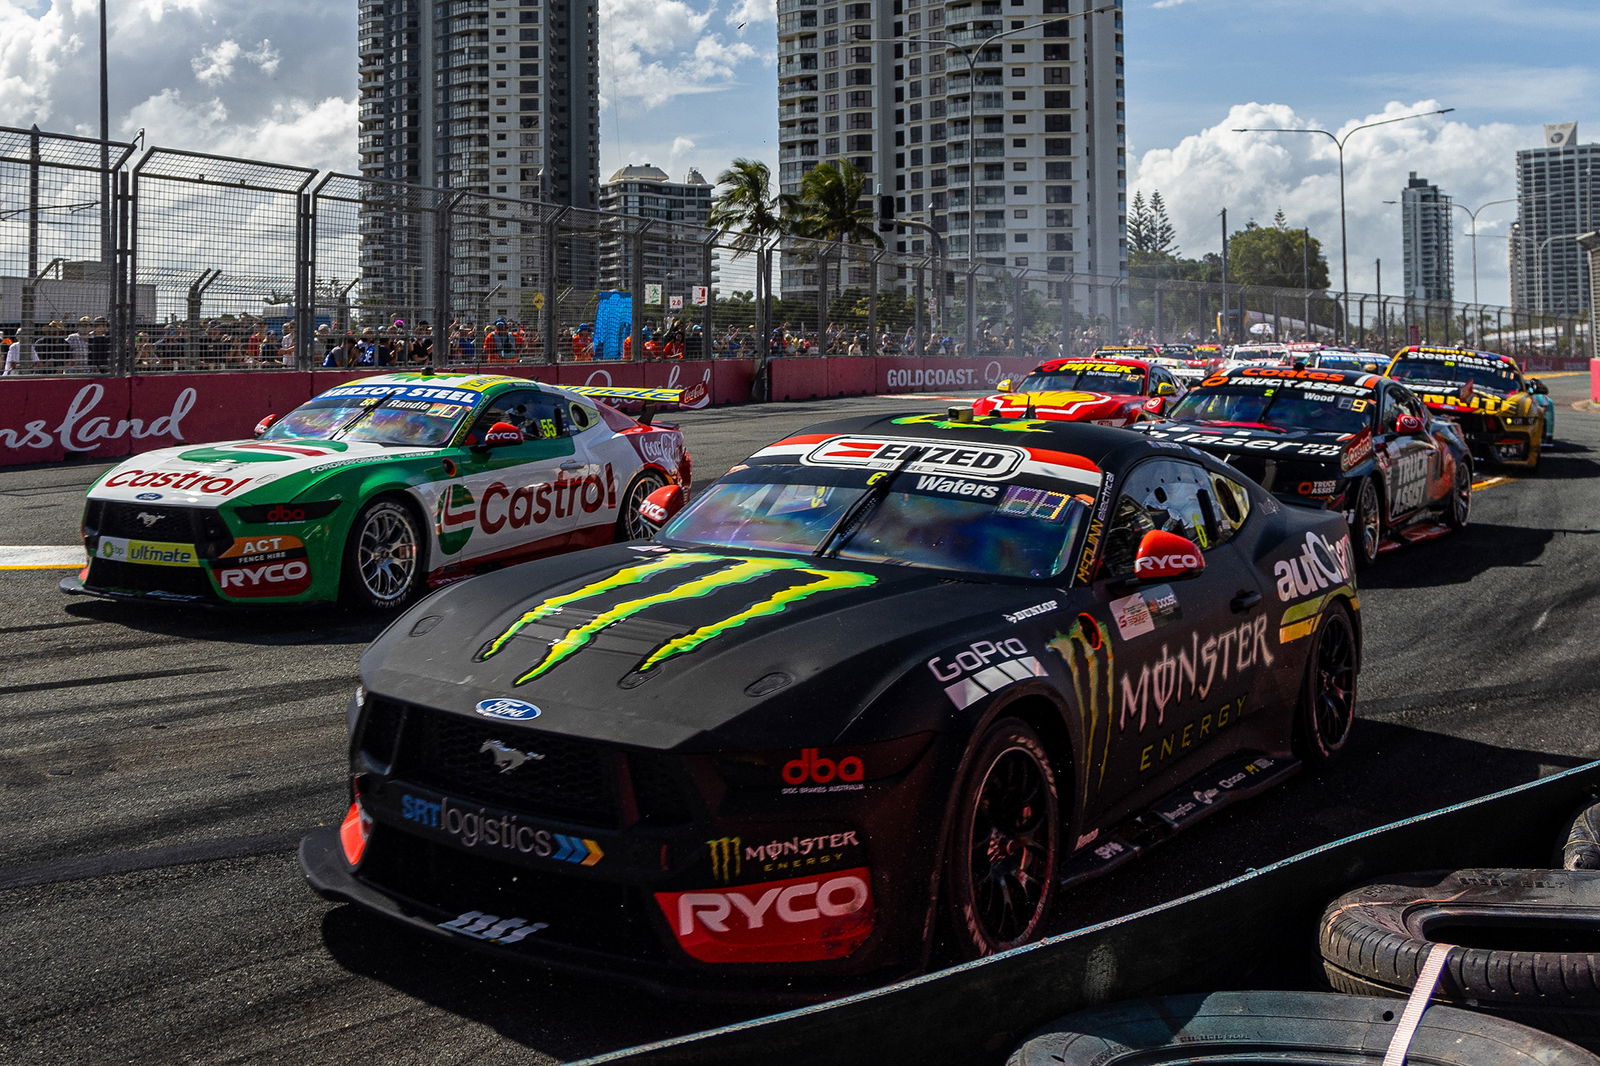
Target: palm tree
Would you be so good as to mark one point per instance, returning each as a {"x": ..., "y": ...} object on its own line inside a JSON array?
[
  {"x": 833, "y": 205},
  {"x": 747, "y": 207}
]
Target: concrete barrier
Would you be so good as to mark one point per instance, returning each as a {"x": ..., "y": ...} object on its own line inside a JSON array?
[{"x": 1256, "y": 931}]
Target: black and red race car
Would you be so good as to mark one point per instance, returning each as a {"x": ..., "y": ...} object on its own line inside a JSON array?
[
  {"x": 1108, "y": 390},
  {"x": 891, "y": 681},
  {"x": 1343, "y": 440}
]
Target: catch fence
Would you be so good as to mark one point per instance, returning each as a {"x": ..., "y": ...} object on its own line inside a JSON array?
[{"x": 207, "y": 262}]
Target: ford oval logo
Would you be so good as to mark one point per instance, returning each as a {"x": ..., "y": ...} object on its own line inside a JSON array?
[
  {"x": 148, "y": 496},
  {"x": 507, "y": 710}
]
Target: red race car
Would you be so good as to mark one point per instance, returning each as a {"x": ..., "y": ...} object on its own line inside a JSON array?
[{"x": 1100, "y": 389}]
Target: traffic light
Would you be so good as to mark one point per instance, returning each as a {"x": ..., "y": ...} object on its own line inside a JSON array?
[{"x": 885, "y": 213}]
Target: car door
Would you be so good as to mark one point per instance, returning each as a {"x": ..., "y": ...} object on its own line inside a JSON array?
[
  {"x": 1410, "y": 462},
  {"x": 1187, "y": 652},
  {"x": 521, "y": 499}
]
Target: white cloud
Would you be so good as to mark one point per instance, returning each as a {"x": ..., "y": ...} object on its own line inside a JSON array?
[
  {"x": 215, "y": 65},
  {"x": 643, "y": 58},
  {"x": 752, "y": 12},
  {"x": 1255, "y": 174}
]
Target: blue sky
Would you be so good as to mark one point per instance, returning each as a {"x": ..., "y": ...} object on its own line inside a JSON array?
[{"x": 690, "y": 83}]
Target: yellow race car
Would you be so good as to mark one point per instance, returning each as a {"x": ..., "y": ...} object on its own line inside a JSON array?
[{"x": 1497, "y": 408}]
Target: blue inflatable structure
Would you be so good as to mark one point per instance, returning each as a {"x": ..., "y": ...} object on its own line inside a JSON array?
[{"x": 613, "y": 323}]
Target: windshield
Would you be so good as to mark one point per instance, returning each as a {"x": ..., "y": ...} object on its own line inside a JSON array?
[
  {"x": 1280, "y": 405},
  {"x": 1483, "y": 373},
  {"x": 1086, "y": 377},
  {"x": 938, "y": 522},
  {"x": 392, "y": 418}
]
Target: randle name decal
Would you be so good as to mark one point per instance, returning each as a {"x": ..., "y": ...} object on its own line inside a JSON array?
[{"x": 81, "y": 430}]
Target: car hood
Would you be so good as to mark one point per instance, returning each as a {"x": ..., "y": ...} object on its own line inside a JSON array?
[
  {"x": 1444, "y": 395},
  {"x": 683, "y": 649},
  {"x": 1068, "y": 406},
  {"x": 208, "y": 475},
  {"x": 1235, "y": 442}
]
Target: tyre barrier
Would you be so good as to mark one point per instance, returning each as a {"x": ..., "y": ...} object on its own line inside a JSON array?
[
  {"x": 1582, "y": 848},
  {"x": 1527, "y": 943},
  {"x": 1305, "y": 1028}
]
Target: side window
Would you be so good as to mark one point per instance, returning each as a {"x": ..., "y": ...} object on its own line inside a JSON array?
[
  {"x": 540, "y": 415},
  {"x": 1232, "y": 506},
  {"x": 1410, "y": 404},
  {"x": 1391, "y": 409},
  {"x": 1168, "y": 494}
]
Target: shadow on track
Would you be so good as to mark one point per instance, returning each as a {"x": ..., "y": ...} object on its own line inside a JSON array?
[
  {"x": 559, "y": 1014},
  {"x": 319, "y": 625}
]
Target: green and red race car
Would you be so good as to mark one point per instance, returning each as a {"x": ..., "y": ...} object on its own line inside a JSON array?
[{"x": 377, "y": 489}]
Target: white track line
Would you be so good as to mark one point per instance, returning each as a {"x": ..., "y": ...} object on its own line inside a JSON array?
[{"x": 41, "y": 557}]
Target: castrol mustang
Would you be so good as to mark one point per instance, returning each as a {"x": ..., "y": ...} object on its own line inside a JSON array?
[
  {"x": 890, "y": 683},
  {"x": 1105, "y": 390},
  {"x": 1498, "y": 410},
  {"x": 1344, "y": 440},
  {"x": 377, "y": 489}
]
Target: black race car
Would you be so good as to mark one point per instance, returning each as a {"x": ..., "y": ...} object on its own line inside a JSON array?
[
  {"x": 889, "y": 682},
  {"x": 1343, "y": 440}
]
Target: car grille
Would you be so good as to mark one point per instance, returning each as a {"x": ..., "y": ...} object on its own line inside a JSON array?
[
  {"x": 138, "y": 577},
  {"x": 200, "y": 526},
  {"x": 582, "y": 912},
  {"x": 576, "y": 781}
]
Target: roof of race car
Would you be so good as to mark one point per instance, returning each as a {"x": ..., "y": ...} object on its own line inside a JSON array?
[
  {"x": 1114, "y": 362},
  {"x": 1074, "y": 451},
  {"x": 1125, "y": 351},
  {"x": 1433, "y": 354},
  {"x": 1268, "y": 376}
]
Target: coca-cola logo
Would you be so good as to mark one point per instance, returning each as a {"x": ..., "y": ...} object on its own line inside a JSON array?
[{"x": 84, "y": 428}]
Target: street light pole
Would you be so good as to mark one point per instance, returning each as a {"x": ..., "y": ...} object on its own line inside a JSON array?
[
  {"x": 969, "y": 54},
  {"x": 1339, "y": 142}
]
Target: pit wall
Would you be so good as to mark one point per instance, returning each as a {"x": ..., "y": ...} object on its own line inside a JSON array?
[{"x": 48, "y": 419}]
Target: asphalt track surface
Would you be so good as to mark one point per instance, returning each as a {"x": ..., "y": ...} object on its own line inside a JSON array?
[{"x": 159, "y": 765}]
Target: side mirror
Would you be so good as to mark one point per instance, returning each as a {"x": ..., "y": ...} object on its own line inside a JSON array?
[
  {"x": 1156, "y": 404},
  {"x": 1164, "y": 556},
  {"x": 1166, "y": 388},
  {"x": 1407, "y": 424},
  {"x": 500, "y": 434},
  {"x": 661, "y": 505},
  {"x": 1537, "y": 387},
  {"x": 1004, "y": 386},
  {"x": 265, "y": 424}
]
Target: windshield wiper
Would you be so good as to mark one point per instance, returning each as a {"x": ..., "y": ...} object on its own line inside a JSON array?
[
  {"x": 363, "y": 413},
  {"x": 857, "y": 511}
]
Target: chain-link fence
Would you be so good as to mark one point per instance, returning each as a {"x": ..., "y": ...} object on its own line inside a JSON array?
[{"x": 204, "y": 262}]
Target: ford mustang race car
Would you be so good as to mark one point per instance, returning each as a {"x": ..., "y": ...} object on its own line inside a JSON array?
[
  {"x": 1105, "y": 390},
  {"x": 376, "y": 489},
  {"x": 890, "y": 681},
  {"x": 1343, "y": 440},
  {"x": 1485, "y": 392}
]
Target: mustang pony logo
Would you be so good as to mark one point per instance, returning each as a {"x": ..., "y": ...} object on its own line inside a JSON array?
[
  {"x": 507, "y": 759},
  {"x": 732, "y": 572}
]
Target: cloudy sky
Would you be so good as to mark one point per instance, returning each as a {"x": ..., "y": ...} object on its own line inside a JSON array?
[{"x": 690, "y": 83}]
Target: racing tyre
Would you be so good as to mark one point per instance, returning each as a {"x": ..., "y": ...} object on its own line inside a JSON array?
[
  {"x": 1000, "y": 867},
  {"x": 1582, "y": 848},
  {"x": 1460, "y": 506},
  {"x": 383, "y": 558},
  {"x": 629, "y": 525},
  {"x": 1366, "y": 528},
  {"x": 1309, "y": 1028},
  {"x": 1328, "y": 699},
  {"x": 1525, "y": 943}
]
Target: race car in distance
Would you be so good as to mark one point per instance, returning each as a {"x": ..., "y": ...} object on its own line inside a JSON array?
[
  {"x": 891, "y": 681},
  {"x": 1105, "y": 390},
  {"x": 1246, "y": 354},
  {"x": 1345, "y": 441},
  {"x": 1486, "y": 394},
  {"x": 376, "y": 489},
  {"x": 1186, "y": 364}
]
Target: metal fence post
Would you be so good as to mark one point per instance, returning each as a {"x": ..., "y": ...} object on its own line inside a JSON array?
[{"x": 551, "y": 227}]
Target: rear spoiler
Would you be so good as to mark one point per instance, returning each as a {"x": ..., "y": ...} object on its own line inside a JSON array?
[{"x": 694, "y": 397}]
